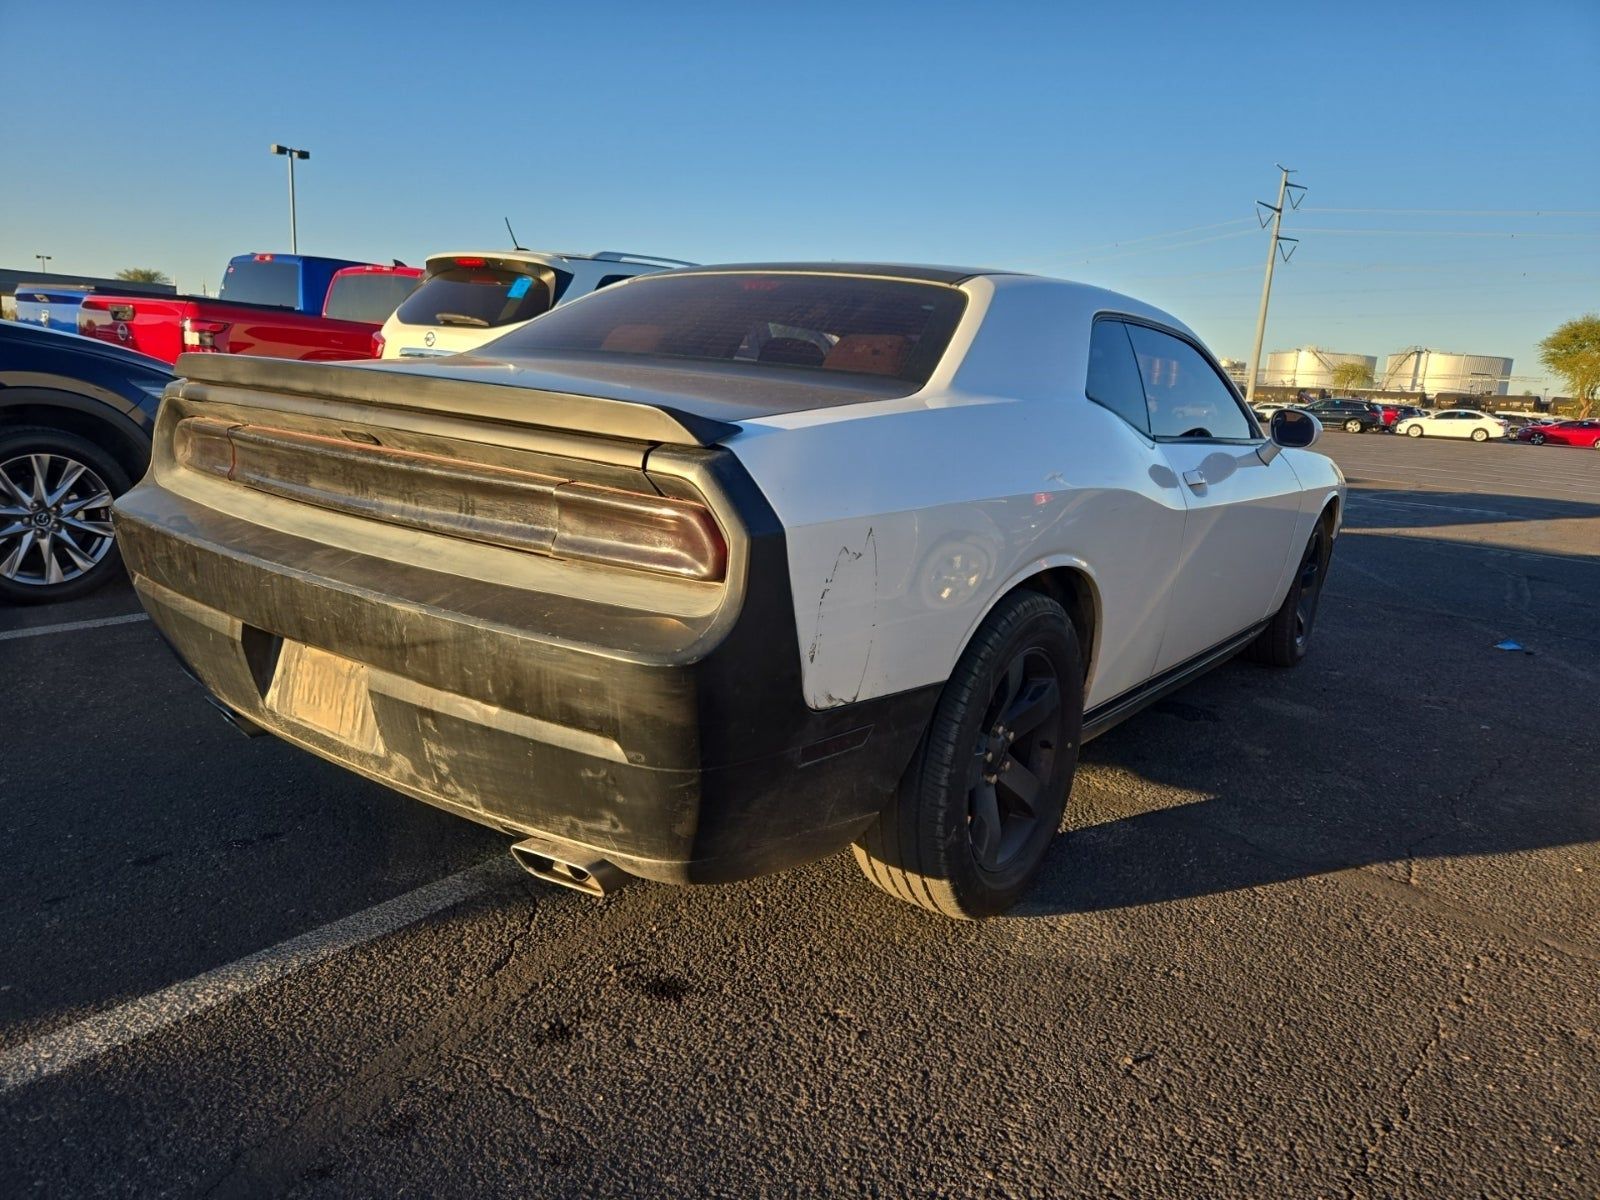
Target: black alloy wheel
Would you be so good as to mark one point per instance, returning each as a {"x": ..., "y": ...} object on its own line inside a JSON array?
[
  {"x": 1308, "y": 588},
  {"x": 967, "y": 830},
  {"x": 1285, "y": 640},
  {"x": 1011, "y": 759}
]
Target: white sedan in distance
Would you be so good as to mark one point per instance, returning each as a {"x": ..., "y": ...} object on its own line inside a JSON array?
[
  {"x": 718, "y": 571},
  {"x": 1455, "y": 423}
]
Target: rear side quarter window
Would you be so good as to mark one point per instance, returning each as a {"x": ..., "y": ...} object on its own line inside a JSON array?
[{"x": 1114, "y": 374}]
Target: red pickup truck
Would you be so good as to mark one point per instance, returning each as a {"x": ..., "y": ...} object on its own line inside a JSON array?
[{"x": 273, "y": 305}]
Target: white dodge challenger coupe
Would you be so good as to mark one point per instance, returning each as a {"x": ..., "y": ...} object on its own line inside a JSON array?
[{"x": 718, "y": 571}]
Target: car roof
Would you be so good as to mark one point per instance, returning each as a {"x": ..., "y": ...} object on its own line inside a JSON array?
[
  {"x": 912, "y": 271},
  {"x": 549, "y": 258}
]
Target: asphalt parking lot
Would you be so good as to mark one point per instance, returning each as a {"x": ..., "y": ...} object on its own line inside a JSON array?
[{"x": 1333, "y": 931}]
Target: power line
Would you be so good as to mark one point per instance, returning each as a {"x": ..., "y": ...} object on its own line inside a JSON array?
[
  {"x": 1219, "y": 237},
  {"x": 1152, "y": 237},
  {"x": 1467, "y": 212},
  {"x": 1460, "y": 233}
]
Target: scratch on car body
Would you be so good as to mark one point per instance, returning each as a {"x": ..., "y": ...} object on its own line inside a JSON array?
[{"x": 843, "y": 559}]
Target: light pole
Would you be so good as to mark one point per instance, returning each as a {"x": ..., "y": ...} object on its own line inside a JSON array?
[
  {"x": 291, "y": 154},
  {"x": 44, "y": 258}
]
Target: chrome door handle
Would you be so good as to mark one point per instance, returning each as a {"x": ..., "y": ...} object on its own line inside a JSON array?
[{"x": 1195, "y": 479}]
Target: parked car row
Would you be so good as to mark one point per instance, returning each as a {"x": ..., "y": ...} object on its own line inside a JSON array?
[
  {"x": 1371, "y": 416},
  {"x": 328, "y": 309}
]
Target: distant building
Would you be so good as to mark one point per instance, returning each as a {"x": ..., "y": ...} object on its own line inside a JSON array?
[
  {"x": 1422, "y": 370},
  {"x": 1310, "y": 367},
  {"x": 1238, "y": 370}
]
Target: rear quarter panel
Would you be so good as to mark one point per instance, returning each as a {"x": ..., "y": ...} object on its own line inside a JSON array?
[{"x": 907, "y": 519}]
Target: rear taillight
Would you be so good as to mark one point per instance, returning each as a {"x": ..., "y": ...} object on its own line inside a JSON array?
[
  {"x": 378, "y": 344},
  {"x": 202, "y": 335},
  {"x": 631, "y": 529},
  {"x": 499, "y": 506}
]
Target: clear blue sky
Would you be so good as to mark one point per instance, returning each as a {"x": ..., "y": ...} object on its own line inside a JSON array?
[{"x": 1069, "y": 139}]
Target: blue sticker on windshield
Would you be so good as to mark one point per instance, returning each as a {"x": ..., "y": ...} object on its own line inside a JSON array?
[{"x": 519, "y": 289}]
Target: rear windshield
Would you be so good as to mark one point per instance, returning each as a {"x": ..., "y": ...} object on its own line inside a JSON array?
[
  {"x": 477, "y": 298},
  {"x": 256, "y": 282},
  {"x": 860, "y": 326},
  {"x": 369, "y": 296}
]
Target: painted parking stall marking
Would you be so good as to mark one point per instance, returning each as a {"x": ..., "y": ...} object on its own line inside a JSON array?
[
  {"x": 72, "y": 626},
  {"x": 52, "y": 1053}
]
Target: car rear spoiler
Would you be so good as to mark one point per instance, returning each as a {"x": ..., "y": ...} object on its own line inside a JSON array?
[{"x": 507, "y": 403}]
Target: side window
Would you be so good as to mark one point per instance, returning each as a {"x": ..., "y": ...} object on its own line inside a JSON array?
[
  {"x": 1185, "y": 395},
  {"x": 1113, "y": 374},
  {"x": 609, "y": 280}
]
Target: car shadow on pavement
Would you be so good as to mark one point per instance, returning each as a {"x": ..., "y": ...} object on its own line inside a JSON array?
[
  {"x": 1414, "y": 510},
  {"x": 1408, "y": 734}
]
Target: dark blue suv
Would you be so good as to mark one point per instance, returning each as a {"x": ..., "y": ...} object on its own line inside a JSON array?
[{"x": 75, "y": 420}]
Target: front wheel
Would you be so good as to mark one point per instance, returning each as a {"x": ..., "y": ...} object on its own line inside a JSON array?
[
  {"x": 1536, "y": 438},
  {"x": 1284, "y": 641},
  {"x": 56, "y": 490},
  {"x": 970, "y": 823},
  {"x": 1414, "y": 431},
  {"x": 1480, "y": 435},
  {"x": 1352, "y": 426}
]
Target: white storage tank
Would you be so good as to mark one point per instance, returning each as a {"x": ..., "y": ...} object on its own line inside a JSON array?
[
  {"x": 1310, "y": 367},
  {"x": 1420, "y": 369}
]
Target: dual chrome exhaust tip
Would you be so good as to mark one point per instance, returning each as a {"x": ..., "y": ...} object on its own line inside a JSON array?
[{"x": 568, "y": 866}]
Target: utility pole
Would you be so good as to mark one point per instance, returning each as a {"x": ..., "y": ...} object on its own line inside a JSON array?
[
  {"x": 44, "y": 258},
  {"x": 291, "y": 154},
  {"x": 1294, "y": 193}
]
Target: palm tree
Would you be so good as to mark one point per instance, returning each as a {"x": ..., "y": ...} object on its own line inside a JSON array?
[{"x": 142, "y": 275}]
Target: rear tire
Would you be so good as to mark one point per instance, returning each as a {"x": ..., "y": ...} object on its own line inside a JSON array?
[
  {"x": 1352, "y": 426},
  {"x": 1283, "y": 643},
  {"x": 1480, "y": 435},
  {"x": 965, "y": 834}
]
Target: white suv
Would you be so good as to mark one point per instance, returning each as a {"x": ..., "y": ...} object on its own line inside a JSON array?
[{"x": 468, "y": 299}]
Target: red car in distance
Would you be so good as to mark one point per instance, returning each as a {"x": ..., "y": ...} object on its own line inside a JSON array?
[
  {"x": 1390, "y": 413},
  {"x": 1565, "y": 433}
]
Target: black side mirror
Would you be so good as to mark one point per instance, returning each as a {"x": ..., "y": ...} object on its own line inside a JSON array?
[{"x": 1294, "y": 428}]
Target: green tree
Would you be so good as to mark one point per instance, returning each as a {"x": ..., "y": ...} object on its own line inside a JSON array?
[
  {"x": 1348, "y": 376},
  {"x": 1573, "y": 352},
  {"x": 143, "y": 275}
]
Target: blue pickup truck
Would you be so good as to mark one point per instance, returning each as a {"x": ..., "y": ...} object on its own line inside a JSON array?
[{"x": 56, "y": 305}]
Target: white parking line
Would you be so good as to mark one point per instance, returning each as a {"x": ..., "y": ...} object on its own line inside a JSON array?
[
  {"x": 63, "y": 1049},
  {"x": 72, "y": 626}
]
